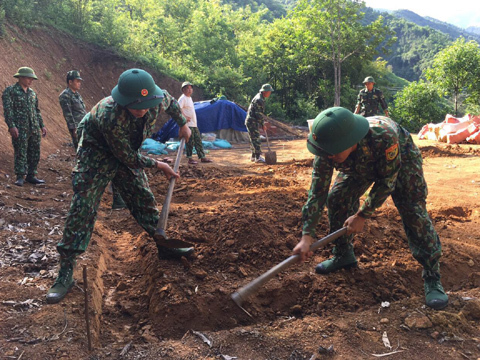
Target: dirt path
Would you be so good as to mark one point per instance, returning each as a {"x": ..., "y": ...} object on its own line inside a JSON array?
[{"x": 244, "y": 218}]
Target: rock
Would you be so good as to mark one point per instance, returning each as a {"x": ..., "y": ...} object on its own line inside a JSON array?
[
  {"x": 471, "y": 263},
  {"x": 229, "y": 242},
  {"x": 435, "y": 335},
  {"x": 418, "y": 321},
  {"x": 121, "y": 286},
  {"x": 384, "y": 321},
  {"x": 200, "y": 274},
  {"x": 296, "y": 309},
  {"x": 472, "y": 310}
]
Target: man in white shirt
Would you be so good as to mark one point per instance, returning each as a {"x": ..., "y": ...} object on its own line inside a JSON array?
[{"x": 188, "y": 110}]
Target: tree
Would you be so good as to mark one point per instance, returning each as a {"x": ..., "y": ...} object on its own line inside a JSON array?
[
  {"x": 456, "y": 70},
  {"x": 418, "y": 104}
]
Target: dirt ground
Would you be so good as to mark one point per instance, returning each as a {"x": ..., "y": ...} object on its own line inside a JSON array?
[{"x": 244, "y": 218}]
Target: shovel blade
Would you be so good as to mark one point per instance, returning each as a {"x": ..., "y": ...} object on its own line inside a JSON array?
[
  {"x": 161, "y": 239},
  {"x": 271, "y": 157}
]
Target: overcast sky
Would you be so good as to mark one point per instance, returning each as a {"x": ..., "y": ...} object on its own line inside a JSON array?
[{"x": 461, "y": 13}]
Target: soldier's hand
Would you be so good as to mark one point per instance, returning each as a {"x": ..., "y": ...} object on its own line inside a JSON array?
[
  {"x": 167, "y": 170},
  {"x": 44, "y": 131},
  {"x": 303, "y": 248},
  {"x": 354, "y": 224},
  {"x": 13, "y": 132},
  {"x": 185, "y": 132}
]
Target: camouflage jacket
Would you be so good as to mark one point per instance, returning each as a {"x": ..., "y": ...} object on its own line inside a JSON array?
[
  {"x": 256, "y": 109},
  {"x": 369, "y": 101},
  {"x": 377, "y": 159},
  {"x": 73, "y": 107},
  {"x": 111, "y": 135},
  {"x": 21, "y": 110}
]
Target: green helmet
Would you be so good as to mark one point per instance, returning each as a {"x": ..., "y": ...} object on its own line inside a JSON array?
[
  {"x": 72, "y": 75},
  {"x": 266, "y": 87},
  {"x": 136, "y": 89},
  {"x": 26, "y": 72},
  {"x": 369, "y": 79},
  {"x": 186, "y": 83},
  {"x": 335, "y": 130}
]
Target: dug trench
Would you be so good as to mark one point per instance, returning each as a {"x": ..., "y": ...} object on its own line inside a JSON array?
[{"x": 243, "y": 218}]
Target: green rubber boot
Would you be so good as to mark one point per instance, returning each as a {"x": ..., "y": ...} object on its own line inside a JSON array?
[
  {"x": 63, "y": 283},
  {"x": 118, "y": 202},
  {"x": 435, "y": 296},
  {"x": 165, "y": 253},
  {"x": 341, "y": 259}
]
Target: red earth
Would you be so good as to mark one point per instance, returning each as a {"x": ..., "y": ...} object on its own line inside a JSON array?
[{"x": 243, "y": 218}]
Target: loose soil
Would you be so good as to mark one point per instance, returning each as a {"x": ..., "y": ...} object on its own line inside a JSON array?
[{"x": 243, "y": 218}]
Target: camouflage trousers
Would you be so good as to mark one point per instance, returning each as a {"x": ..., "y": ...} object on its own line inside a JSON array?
[
  {"x": 73, "y": 134},
  {"x": 88, "y": 188},
  {"x": 26, "y": 149},
  {"x": 254, "y": 134},
  {"x": 410, "y": 199},
  {"x": 195, "y": 140}
]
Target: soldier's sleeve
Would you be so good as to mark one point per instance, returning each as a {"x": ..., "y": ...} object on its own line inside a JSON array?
[
  {"x": 66, "y": 105},
  {"x": 117, "y": 136},
  {"x": 359, "y": 98},
  {"x": 8, "y": 108},
  {"x": 387, "y": 169},
  {"x": 172, "y": 108},
  {"x": 39, "y": 114},
  {"x": 317, "y": 195},
  {"x": 381, "y": 98}
]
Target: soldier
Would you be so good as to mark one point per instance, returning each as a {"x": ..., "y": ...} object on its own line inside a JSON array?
[
  {"x": 74, "y": 110},
  {"x": 369, "y": 98},
  {"x": 255, "y": 119},
  {"x": 188, "y": 110},
  {"x": 112, "y": 133},
  {"x": 25, "y": 125},
  {"x": 72, "y": 104},
  {"x": 369, "y": 151}
]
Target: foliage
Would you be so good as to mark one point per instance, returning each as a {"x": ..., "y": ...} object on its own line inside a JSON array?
[
  {"x": 418, "y": 104},
  {"x": 456, "y": 71}
]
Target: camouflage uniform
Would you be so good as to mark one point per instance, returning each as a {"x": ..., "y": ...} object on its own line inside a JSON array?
[
  {"x": 369, "y": 101},
  {"x": 74, "y": 110},
  {"x": 109, "y": 151},
  {"x": 253, "y": 121},
  {"x": 195, "y": 140},
  {"x": 387, "y": 158},
  {"x": 21, "y": 111}
]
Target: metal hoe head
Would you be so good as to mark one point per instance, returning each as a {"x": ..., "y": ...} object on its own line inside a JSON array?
[{"x": 160, "y": 238}]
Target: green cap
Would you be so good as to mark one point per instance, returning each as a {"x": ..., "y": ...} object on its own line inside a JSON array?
[
  {"x": 136, "y": 89},
  {"x": 335, "y": 130},
  {"x": 186, "y": 83},
  {"x": 369, "y": 79},
  {"x": 73, "y": 74},
  {"x": 26, "y": 72},
  {"x": 266, "y": 87}
]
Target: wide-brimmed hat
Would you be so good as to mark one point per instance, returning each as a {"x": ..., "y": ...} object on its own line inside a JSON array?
[
  {"x": 266, "y": 87},
  {"x": 137, "y": 90},
  {"x": 335, "y": 130},
  {"x": 25, "y": 72}
]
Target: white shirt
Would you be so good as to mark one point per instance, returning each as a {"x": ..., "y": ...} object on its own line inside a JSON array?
[{"x": 188, "y": 110}]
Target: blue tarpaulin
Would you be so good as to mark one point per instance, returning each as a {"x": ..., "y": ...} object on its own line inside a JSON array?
[{"x": 222, "y": 114}]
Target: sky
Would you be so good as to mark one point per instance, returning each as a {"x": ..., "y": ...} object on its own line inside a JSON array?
[{"x": 462, "y": 13}]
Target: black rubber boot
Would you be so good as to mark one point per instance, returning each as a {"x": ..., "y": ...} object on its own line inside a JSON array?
[
  {"x": 118, "y": 202},
  {"x": 33, "y": 180},
  {"x": 63, "y": 283},
  {"x": 435, "y": 296},
  {"x": 165, "y": 253},
  {"x": 20, "y": 181},
  {"x": 344, "y": 259}
]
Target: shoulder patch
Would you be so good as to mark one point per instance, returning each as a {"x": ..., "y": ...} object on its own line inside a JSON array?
[{"x": 392, "y": 152}]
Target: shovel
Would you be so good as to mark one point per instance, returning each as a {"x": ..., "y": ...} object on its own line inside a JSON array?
[
  {"x": 270, "y": 156},
  {"x": 252, "y": 287},
  {"x": 160, "y": 237}
]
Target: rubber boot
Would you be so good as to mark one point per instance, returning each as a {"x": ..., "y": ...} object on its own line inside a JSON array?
[
  {"x": 20, "y": 181},
  {"x": 341, "y": 259},
  {"x": 63, "y": 283},
  {"x": 118, "y": 202},
  {"x": 165, "y": 253},
  {"x": 435, "y": 296},
  {"x": 33, "y": 180}
]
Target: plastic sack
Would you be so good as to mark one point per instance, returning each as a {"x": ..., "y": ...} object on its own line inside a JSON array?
[
  {"x": 209, "y": 137},
  {"x": 223, "y": 144}
]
